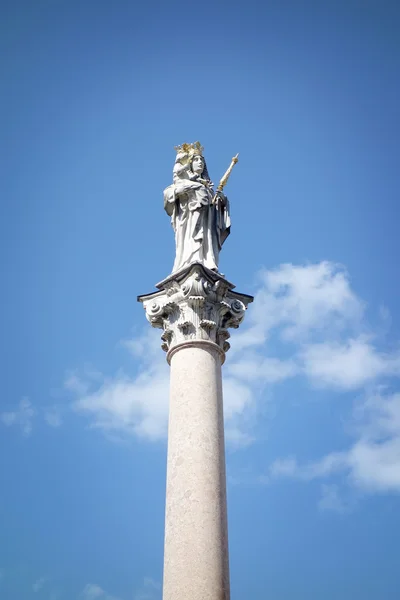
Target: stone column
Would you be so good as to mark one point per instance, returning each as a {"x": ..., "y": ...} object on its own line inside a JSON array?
[{"x": 195, "y": 308}]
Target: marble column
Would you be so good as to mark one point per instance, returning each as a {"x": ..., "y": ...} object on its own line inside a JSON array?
[{"x": 195, "y": 308}]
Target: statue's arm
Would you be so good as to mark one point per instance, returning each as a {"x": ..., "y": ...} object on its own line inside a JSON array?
[{"x": 169, "y": 199}]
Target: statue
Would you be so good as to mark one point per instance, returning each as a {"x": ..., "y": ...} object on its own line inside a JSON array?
[{"x": 199, "y": 216}]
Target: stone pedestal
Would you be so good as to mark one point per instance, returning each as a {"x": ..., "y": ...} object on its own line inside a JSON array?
[{"x": 195, "y": 308}]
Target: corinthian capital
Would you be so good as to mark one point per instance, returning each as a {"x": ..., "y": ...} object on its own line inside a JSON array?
[{"x": 195, "y": 304}]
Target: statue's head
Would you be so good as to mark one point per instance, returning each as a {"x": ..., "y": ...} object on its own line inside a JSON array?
[
  {"x": 192, "y": 155},
  {"x": 198, "y": 164}
]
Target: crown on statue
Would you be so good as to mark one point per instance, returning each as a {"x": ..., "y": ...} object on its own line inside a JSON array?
[{"x": 190, "y": 149}]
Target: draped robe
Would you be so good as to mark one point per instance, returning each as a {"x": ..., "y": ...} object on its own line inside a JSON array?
[{"x": 200, "y": 226}]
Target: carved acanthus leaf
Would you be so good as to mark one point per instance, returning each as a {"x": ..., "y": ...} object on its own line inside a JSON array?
[{"x": 195, "y": 304}]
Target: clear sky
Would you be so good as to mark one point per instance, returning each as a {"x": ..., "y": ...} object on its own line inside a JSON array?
[{"x": 94, "y": 96}]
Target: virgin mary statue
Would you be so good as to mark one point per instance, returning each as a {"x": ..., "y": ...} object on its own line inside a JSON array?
[{"x": 199, "y": 217}]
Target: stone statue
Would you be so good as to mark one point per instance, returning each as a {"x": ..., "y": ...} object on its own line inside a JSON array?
[{"x": 199, "y": 216}]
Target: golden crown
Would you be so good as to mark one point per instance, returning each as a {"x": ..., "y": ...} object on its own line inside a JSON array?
[{"x": 190, "y": 149}]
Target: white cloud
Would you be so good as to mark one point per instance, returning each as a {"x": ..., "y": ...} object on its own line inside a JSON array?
[
  {"x": 347, "y": 365},
  {"x": 288, "y": 467},
  {"x": 237, "y": 397},
  {"x": 372, "y": 462},
  {"x": 252, "y": 366},
  {"x": 75, "y": 384},
  {"x": 150, "y": 590},
  {"x": 239, "y": 403},
  {"x": 296, "y": 299},
  {"x": 92, "y": 591},
  {"x": 133, "y": 405},
  {"x": 52, "y": 416},
  {"x": 25, "y": 413},
  {"x": 138, "y": 405},
  {"x": 37, "y": 586},
  {"x": 317, "y": 322},
  {"x": 316, "y": 316},
  {"x": 345, "y": 357},
  {"x": 236, "y": 437},
  {"x": 312, "y": 298},
  {"x": 324, "y": 467},
  {"x": 300, "y": 300},
  {"x": 331, "y": 499},
  {"x": 21, "y": 417}
]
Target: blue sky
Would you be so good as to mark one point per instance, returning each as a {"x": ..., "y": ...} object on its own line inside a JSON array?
[{"x": 94, "y": 97}]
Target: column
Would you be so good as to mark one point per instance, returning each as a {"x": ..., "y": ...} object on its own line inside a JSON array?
[
  {"x": 195, "y": 308},
  {"x": 196, "y": 562}
]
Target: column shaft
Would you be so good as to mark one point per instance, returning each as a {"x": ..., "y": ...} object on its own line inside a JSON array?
[{"x": 196, "y": 563}]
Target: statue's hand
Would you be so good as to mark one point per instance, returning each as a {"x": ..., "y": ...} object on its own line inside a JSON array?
[{"x": 220, "y": 198}]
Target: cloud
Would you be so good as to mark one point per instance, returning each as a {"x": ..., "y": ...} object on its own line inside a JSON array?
[
  {"x": 129, "y": 405},
  {"x": 255, "y": 367},
  {"x": 25, "y": 413},
  {"x": 313, "y": 312},
  {"x": 294, "y": 298},
  {"x": 316, "y": 319},
  {"x": 348, "y": 365},
  {"x": 21, "y": 417},
  {"x": 301, "y": 300},
  {"x": 372, "y": 463},
  {"x": 288, "y": 467},
  {"x": 306, "y": 322},
  {"x": 37, "y": 586},
  {"x": 52, "y": 416},
  {"x": 374, "y": 459},
  {"x": 92, "y": 591},
  {"x": 138, "y": 405},
  {"x": 331, "y": 499},
  {"x": 150, "y": 590}
]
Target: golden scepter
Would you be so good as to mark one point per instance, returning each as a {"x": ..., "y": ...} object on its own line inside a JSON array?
[{"x": 225, "y": 177}]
